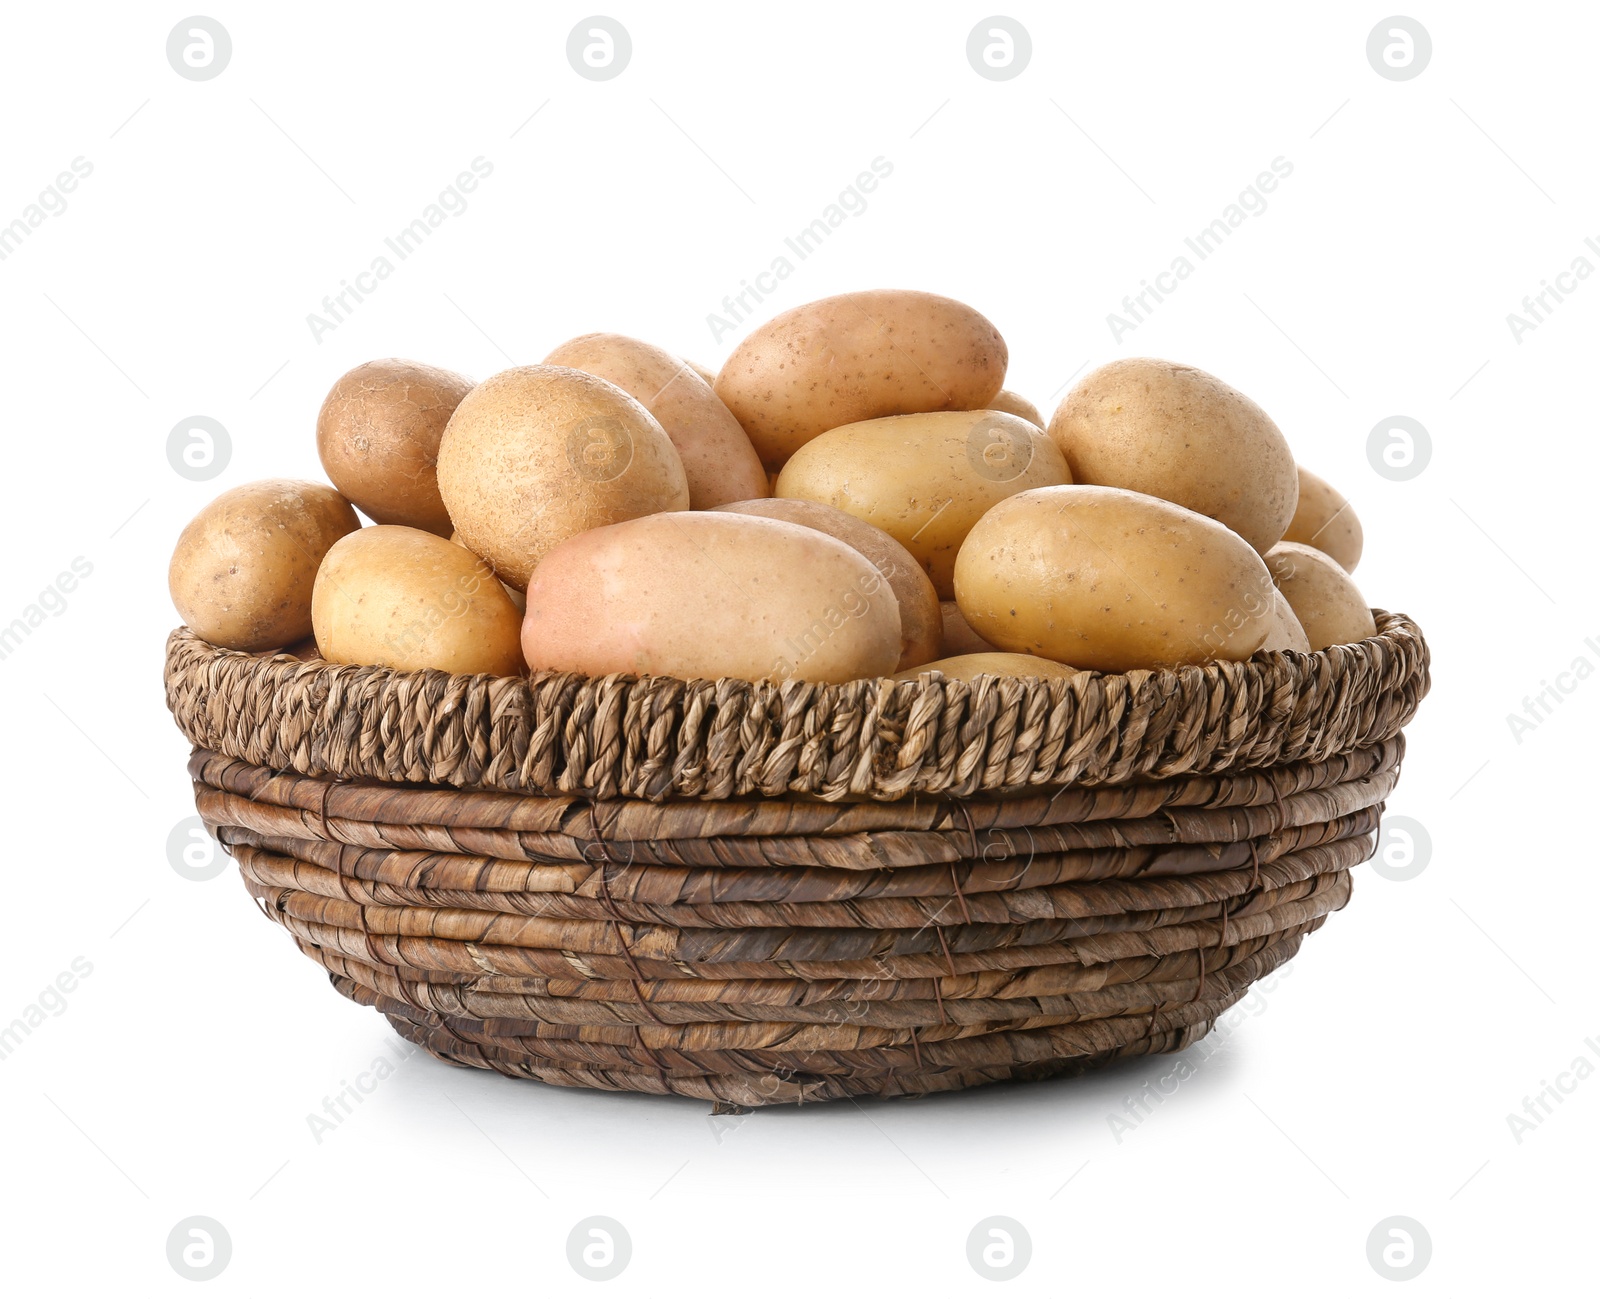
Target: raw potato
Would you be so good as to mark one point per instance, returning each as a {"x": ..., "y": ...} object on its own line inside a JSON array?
[
  {"x": 378, "y": 435},
  {"x": 1016, "y": 404},
  {"x": 1328, "y": 604},
  {"x": 855, "y": 357},
  {"x": 1111, "y": 580},
  {"x": 925, "y": 479},
  {"x": 403, "y": 598},
  {"x": 921, "y": 628},
  {"x": 710, "y": 595},
  {"x": 242, "y": 572},
  {"x": 705, "y": 372},
  {"x": 1181, "y": 434},
  {"x": 969, "y": 667},
  {"x": 718, "y": 459},
  {"x": 518, "y": 598},
  {"x": 540, "y": 453},
  {"x": 1286, "y": 633},
  {"x": 1324, "y": 519},
  {"x": 959, "y": 638}
]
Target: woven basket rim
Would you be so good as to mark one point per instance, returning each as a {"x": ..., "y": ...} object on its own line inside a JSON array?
[{"x": 661, "y": 738}]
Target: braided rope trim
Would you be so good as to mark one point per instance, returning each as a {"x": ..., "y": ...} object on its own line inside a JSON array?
[{"x": 659, "y": 738}]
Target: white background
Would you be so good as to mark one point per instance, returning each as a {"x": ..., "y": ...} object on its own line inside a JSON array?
[{"x": 1375, "y": 1077}]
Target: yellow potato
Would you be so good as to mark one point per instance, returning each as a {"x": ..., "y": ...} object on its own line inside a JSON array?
[
  {"x": 1327, "y": 603},
  {"x": 1181, "y": 434},
  {"x": 378, "y": 435},
  {"x": 718, "y": 460},
  {"x": 1111, "y": 580},
  {"x": 1286, "y": 633},
  {"x": 921, "y": 630},
  {"x": 969, "y": 667},
  {"x": 924, "y": 479},
  {"x": 403, "y": 598},
  {"x": 705, "y": 372},
  {"x": 1324, "y": 519},
  {"x": 711, "y": 595},
  {"x": 855, "y": 357},
  {"x": 518, "y": 598},
  {"x": 538, "y": 454},
  {"x": 959, "y": 638},
  {"x": 1013, "y": 403},
  {"x": 242, "y": 572}
]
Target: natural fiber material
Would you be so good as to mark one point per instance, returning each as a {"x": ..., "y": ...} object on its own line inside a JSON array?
[
  {"x": 657, "y": 737},
  {"x": 759, "y": 894}
]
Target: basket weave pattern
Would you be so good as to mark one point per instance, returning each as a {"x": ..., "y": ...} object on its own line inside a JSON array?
[{"x": 758, "y": 894}]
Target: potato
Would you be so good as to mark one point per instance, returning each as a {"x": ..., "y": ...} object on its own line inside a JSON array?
[
  {"x": 1327, "y": 603},
  {"x": 1183, "y": 435},
  {"x": 711, "y": 595},
  {"x": 921, "y": 629},
  {"x": 1324, "y": 519},
  {"x": 1013, "y": 403},
  {"x": 1286, "y": 633},
  {"x": 924, "y": 479},
  {"x": 518, "y": 598},
  {"x": 718, "y": 459},
  {"x": 1112, "y": 580},
  {"x": 404, "y": 598},
  {"x": 704, "y": 371},
  {"x": 959, "y": 638},
  {"x": 242, "y": 572},
  {"x": 378, "y": 435},
  {"x": 969, "y": 667},
  {"x": 537, "y": 454},
  {"x": 855, "y": 357}
]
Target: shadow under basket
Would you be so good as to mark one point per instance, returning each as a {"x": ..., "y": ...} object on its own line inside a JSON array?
[{"x": 757, "y": 893}]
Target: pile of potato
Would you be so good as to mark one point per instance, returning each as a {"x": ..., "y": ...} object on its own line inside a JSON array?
[{"x": 854, "y": 495}]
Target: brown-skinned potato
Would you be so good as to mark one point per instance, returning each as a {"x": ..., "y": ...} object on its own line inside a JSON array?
[
  {"x": 242, "y": 572},
  {"x": 718, "y": 460},
  {"x": 378, "y": 436},
  {"x": 856, "y": 357}
]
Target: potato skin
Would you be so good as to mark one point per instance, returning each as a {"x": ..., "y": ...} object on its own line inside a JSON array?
[
  {"x": 1184, "y": 435},
  {"x": 704, "y": 371},
  {"x": 921, "y": 628},
  {"x": 1329, "y": 606},
  {"x": 969, "y": 667},
  {"x": 1111, "y": 580},
  {"x": 378, "y": 436},
  {"x": 924, "y": 479},
  {"x": 959, "y": 638},
  {"x": 243, "y": 569},
  {"x": 1324, "y": 519},
  {"x": 707, "y": 595},
  {"x": 1286, "y": 633},
  {"x": 397, "y": 597},
  {"x": 537, "y": 454},
  {"x": 855, "y": 357},
  {"x": 718, "y": 460},
  {"x": 1014, "y": 403}
]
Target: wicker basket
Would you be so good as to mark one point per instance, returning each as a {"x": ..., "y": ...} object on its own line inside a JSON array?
[{"x": 756, "y": 893}]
